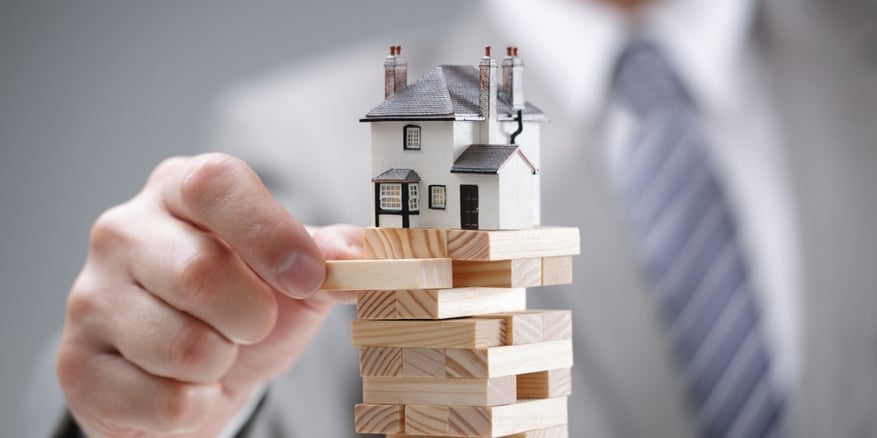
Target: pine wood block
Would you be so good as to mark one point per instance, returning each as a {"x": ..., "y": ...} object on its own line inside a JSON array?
[
  {"x": 426, "y": 420},
  {"x": 387, "y": 274},
  {"x": 405, "y": 243},
  {"x": 520, "y": 327},
  {"x": 495, "y": 421},
  {"x": 453, "y": 333},
  {"x": 439, "y": 391},
  {"x": 545, "y": 384},
  {"x": 551, "y": 432},
  {"x": 380, "y": 361},
  {"x": 372, "y": 418},
  {"x": 556, "y": 270},
  {"x": 423, "y": 362},
  {"x": 512, "y": 244},
  {"x": 498, "y": 273},
  {"x": 508, "y": 360},
  {"x": 376, "y": 304},
  {"x": 557, "y": 325},
  {"x": 438, "y": 303}
]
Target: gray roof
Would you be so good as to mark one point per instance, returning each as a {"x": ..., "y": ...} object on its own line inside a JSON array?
[
  {"x": 397, "y": 175},
  {"x": 488, "y": 158},
  {"x": 447, "y": 92}
]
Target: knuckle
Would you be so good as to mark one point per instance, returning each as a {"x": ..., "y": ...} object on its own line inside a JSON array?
[
  {"x": 110, "y": 230},
  {"x": 83, "y": 303},
  {"x": 209, "y": 177},
  {"x": 179, "y": 408},
  {"x": 198, "y": 274},
  {"x": 199, "y": 353}
]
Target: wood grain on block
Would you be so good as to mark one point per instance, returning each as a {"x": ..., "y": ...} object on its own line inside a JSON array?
[
  {"x": 404, "y": 243},
  {"x": 426, "y": 420},
  {"x": 387, "y": 274},
  {"x": 508, "y": 360},
  {"x": 556, "y": 270},
  {"x": 498, "y": 273},
  {"x": 423, "y": 362},
  {"x": 545, "y": 384},
  {"x": 372, "y": 418},
  {"x": 453, "y": 333},
  {"x": 512, "y": 244},
  {"x": 375, "y": 304},
  {"x": 520, "y": 327},
  {"x": 556, "y": 324},
  {"x": 439, "y": 391},
  {"x": 551, "y": 432},
  {"x": 496, "y": 421},
  {"x": 438, "y": 303},
  {"x": 380, "y": 361}
]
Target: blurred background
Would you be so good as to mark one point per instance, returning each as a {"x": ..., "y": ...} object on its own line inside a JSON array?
[{"x": 94, "y": 93}]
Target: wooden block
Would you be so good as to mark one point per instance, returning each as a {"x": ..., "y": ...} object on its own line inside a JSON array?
[
  {"x": 551, "y": 432},
  {"x": 556, "y": 270},
  {"x": 439, "y": 391},
  {"x": 426, "y": 420},
  {"x": 520, "y": 327},
  {"x": 423, "y": 362},
  {"x": 556, "y": 325},
  {"x": 499, "y": 273},
  {"x": 387, "y": 274},
  {"x": 508, "y": 360},
  {"x": 371, "y": 418},
  {"x": 455, "y": 303},
  {"x": 405, "y": 243},
  {"x": 545, "y": 384},
  {"x": 454, "y": 333},
  {"x": 376, "y": 304},
  {"x": 512, "y": 244},
  {"x": 496, "y": 421},
  {"x": 380, "y": 361}
]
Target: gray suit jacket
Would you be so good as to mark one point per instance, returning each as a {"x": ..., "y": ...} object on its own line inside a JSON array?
[{"x": 298, "y": 130}]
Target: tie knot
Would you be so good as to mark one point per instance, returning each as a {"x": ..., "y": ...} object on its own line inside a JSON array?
[{"x": 645, "y": 80}]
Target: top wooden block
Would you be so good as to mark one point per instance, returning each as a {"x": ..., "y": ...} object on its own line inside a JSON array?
[{"x": 475, "y": 245}]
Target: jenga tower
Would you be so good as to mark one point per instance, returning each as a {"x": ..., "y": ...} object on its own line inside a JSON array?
[{"x": 447, "y": 345}]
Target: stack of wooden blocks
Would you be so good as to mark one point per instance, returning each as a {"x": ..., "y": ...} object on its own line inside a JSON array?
[{"x": 447, "y": 345}]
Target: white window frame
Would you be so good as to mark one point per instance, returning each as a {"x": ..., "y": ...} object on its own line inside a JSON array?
[
  {"x": 411, "y": 136},
  {"x": 391, "y": 196},
  {"x": 413, "y": 197},
  {"x": 438, "y": 197}
]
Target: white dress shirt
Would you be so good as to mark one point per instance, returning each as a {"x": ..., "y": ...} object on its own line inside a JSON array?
[{"x": 573, "y": 47}]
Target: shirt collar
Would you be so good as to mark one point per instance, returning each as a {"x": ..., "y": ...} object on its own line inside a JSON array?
[{"x": 572, "y": 45}]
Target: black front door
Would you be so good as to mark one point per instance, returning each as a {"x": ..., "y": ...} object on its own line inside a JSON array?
[{"x": 468, "y": 207}]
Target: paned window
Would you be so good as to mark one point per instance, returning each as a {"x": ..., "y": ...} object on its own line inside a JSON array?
[
  {"x": 413, "y": 198},
  {"x": 391, "y": 196},
  {"x": 412, "y": 137},
  {"x": 437, "y": 197}
]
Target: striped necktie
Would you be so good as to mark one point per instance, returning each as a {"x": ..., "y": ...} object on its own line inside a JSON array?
[{"x": 688, "y": 245}]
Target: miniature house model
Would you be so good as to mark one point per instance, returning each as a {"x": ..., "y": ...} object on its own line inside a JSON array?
[{"x": 454, "y": 149}]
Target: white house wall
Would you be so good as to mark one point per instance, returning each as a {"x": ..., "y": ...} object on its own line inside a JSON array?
[
  {"x": 488, "y": 199},
  {"x": 518, "y": 198}
]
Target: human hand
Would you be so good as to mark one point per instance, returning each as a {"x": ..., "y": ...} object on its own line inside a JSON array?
[{"x": 195, "y": 292}]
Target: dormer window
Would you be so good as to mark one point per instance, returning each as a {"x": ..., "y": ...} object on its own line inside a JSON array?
[{"x": 411, "y": 137}]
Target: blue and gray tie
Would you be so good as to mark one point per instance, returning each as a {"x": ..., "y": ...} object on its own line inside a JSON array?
[{"x": 690, "y": 252}]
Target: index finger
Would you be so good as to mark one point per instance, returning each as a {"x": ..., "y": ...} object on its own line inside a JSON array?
[{"x": 223, "y": 195}]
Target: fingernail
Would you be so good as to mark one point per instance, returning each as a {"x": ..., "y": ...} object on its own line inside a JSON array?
[{"x": 301, "y": 275}]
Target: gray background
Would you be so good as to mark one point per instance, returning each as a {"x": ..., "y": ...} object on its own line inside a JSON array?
[{"x": 94, "y": 93}]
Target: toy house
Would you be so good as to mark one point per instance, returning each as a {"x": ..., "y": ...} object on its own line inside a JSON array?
[{"x": 454, "y": 149}]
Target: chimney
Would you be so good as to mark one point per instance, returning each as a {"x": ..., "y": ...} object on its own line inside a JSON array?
[
  {"x": 395, "y": 72},
  {"x": 487, "y": 96},
  {"x": 513, "y": 78}
]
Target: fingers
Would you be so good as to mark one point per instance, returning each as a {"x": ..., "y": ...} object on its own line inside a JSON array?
[
  {"x": 197, "y": 274},
  {"x": 148, "y": 403},
  {"x": 340, "y": 242},
  {"x": 222, "y": 194}
]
